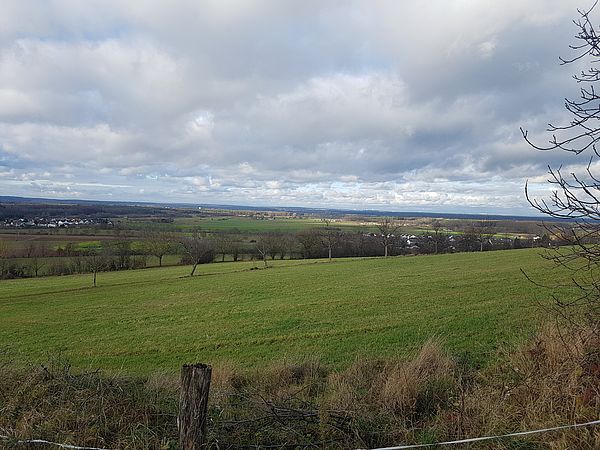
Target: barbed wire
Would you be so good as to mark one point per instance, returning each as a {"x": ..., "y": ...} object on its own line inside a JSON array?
[
  {"x": 488, "y": 438},
  {"x": 399, "y": 447},
  {"x": 45, "y": 442}
]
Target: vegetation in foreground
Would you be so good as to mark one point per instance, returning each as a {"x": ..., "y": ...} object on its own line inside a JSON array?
[
  {"x": 145, "y": 320},
  {"x": 371, "y": 403}
]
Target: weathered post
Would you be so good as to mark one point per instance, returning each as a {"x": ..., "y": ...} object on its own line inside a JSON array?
[{"x": 193, "y": 405}]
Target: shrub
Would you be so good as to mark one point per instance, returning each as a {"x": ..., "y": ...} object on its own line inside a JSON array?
[
  {"x": 60, "y": 267},
  {"x": 15, "y": 270}
]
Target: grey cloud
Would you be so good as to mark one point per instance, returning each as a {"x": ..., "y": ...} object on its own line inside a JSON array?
[{"x": 338, "y": 103}]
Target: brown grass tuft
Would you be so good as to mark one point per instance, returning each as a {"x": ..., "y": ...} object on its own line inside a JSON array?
[{"x": 418, "y": 388}]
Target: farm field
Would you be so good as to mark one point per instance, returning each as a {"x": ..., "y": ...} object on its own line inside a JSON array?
[
  {"x": 53, "y": 240},
  {"x": 143, "y": 321},
  {"x": 242, "y": 224}
]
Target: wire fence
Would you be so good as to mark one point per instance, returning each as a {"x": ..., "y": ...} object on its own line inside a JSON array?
[
  {"x": 45, "y": 442},
  {"x": 399, "y": 447},
  {"x": 489, "y": 438}
]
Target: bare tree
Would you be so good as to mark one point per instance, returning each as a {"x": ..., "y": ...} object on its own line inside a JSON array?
[
  {"x": 77, "y": 262},
  {"x": 30, "y": 249},
  {"x": 223, "y": 244},
  {"x": 576, "y": 195},
  {"x": 198, "y": 250},
  {"x": 96, "y": 261},
  {"x": 441, "y": 240},
  {"x": 330, "y": 238},
  {"x": 438, "y": 241},
  {"x": 288, "y": 245},
  {"x": 276, "y": 244},
  {"x": 158, "y": 244},
  {"x": 262, "y": 246},
  {"x": 388, "y": 228},
  {"x": 310, "y": 242},
  {"x": 3, "y": 257},
  {"x": 235, "y": 243},
  {"x": 37, "y": 253},
  {"x": 484, "y": 230},
  {"x": 468, "y": 241},
  {"x": 121, "y": 249},
  {"x": 236, "y": 249}
]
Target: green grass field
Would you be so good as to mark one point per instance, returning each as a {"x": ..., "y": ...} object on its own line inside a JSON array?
[
  {"x": 156, "y": 319},
  {"x": 242, "y": 224},
  {"x": 247, "y": 224}
]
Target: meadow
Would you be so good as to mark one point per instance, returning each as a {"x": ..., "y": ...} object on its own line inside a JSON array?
[
  {"x": 240, "y": 224},
  {"x": 153, "y": 320}
]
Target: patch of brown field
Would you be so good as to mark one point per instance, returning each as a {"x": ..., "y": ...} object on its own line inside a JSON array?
[{"x": 28, "y": 237}]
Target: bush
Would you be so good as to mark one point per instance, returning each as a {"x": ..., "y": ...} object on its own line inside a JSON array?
[
  {"x": 60, "y": 267},
  {"x": 139, "y": 262},
  {"x": 14, "y": 270}
]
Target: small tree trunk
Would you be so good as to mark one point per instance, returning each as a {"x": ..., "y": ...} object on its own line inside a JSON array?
[
  {"x": 223, "y": 257},
  {"x": 330, "y": 253},
  {"x": 193, "y": 405},
  {"x": 160, "y": 261},
  {"x": 95, "y": 272},
  {"x": 193, "y": 269},
  {"x": 385, "y": 251}
]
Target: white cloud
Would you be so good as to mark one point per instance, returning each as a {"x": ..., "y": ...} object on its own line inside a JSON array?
[{"x": 404, "y": 104}]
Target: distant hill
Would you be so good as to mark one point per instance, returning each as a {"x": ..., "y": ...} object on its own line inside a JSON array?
[{"x": 107, "y": 207}]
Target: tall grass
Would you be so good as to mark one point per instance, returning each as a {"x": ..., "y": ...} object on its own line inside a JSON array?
[{"x": 373, "y": 402}]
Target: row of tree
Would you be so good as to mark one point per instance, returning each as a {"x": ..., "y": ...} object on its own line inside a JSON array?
[{"x": 327, "y": 241}]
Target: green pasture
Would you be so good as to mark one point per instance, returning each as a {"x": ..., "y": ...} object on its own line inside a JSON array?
[
  {"x": 249, "y": 225},
  {"x": 238, "y": 314},
  {"x": 19, "y": 242},
  {"x": 241, "y": 224}
]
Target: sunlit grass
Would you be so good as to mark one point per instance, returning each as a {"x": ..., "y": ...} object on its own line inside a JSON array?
[{"x": 144, "y": 320}]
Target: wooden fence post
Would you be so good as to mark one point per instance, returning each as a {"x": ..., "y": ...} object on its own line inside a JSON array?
[{"x": 193, "y": 403}]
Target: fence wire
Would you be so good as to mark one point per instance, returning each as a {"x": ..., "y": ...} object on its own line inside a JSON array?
[
  {"x": 399, "y": 447},
  {"x": 489, "y": 438},
  {"x": 44, "y": 442}
]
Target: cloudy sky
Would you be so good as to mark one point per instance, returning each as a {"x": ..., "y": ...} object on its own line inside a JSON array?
[{"x": 398, "y": 105}]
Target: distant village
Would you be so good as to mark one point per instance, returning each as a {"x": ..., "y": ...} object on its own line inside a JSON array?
[{"x": 62, "y": 222}]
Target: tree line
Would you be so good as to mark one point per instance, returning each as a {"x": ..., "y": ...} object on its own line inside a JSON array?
[{"x": 124, "y": 252}]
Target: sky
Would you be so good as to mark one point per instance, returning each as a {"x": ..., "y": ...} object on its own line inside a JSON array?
[{"x": 398, "y": 105}]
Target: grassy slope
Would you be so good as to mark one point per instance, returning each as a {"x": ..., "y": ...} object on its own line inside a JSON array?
[{"x": 145, "y": 320}]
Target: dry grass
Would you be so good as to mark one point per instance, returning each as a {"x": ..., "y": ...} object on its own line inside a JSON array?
[
  {"x": 416, "y": 389},
  {"x": 555, "y": 380},
  {"x": 389, "y": 400},
  {"x": 50, "y": 402},
  {"x": 550, "y": 381}
]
